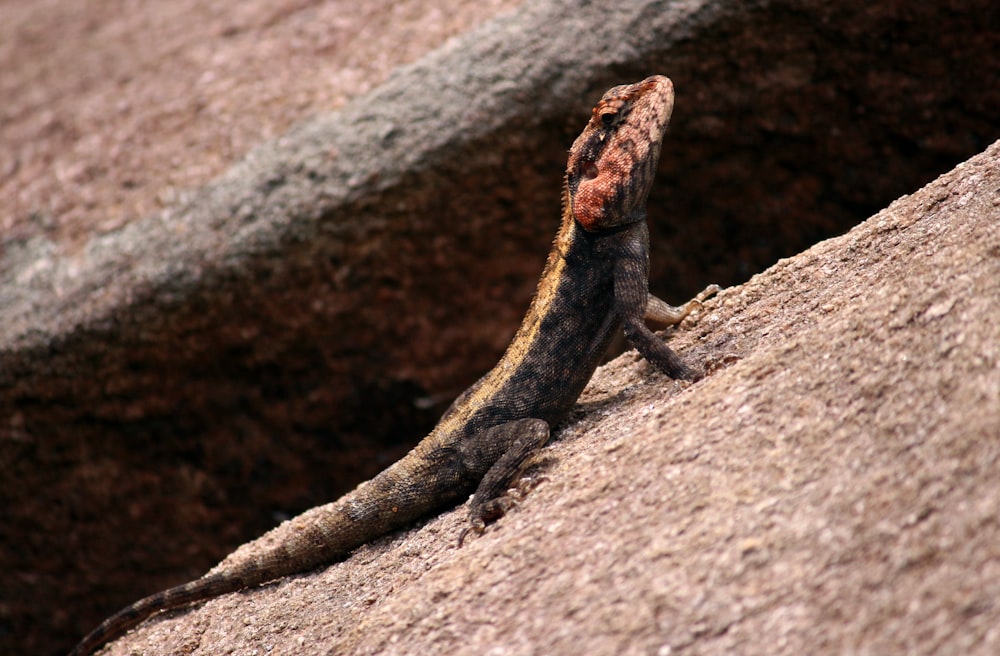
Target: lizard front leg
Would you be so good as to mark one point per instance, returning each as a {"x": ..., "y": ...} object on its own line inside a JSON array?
[
  {"x": 632, "y": 303},
  {"x": 504, "y": 449}
]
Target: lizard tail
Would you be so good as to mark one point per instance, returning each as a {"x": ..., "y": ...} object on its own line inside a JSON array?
[
  {"x": 307, "y": 547},
  {"x": 130, "y": 616},
  {"x": 403, "y": 492}
]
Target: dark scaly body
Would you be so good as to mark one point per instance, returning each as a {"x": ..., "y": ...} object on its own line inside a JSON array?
[{"x": 594, "y": 280}]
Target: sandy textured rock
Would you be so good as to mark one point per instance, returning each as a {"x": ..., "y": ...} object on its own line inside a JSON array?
[
  {"x": 831, "y": 487},
  {"x": 181, "y": 380}
]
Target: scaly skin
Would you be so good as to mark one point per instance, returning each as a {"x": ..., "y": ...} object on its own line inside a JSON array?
[{"x": 595, "y": 281}]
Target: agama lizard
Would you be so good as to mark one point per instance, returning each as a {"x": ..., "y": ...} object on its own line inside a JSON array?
[{"x": 595, "y": 281}]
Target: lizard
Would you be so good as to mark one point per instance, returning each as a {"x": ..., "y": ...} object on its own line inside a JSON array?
[{"x": 594, "y": 283}]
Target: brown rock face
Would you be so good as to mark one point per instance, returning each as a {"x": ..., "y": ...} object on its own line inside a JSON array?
[{"x": 181, "y": 369}]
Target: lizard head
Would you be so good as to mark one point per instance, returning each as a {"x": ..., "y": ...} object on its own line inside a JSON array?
[{"x": 612, "y": 163}]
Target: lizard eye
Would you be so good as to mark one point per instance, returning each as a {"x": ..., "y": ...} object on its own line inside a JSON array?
[{"x": 608, "y": 119}]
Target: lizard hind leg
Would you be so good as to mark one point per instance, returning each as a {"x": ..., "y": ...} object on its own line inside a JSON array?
[{"x": 508, "y": 447}]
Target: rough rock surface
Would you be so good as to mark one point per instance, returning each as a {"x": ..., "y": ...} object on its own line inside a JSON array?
[
  {"x": 833, "y": 486},
  {"x": 170, "y": 387}
]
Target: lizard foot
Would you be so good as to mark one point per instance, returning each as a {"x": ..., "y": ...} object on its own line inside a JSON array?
[
  {"x": 661, "y": 312},
  {"x": 488, "y": 512}
]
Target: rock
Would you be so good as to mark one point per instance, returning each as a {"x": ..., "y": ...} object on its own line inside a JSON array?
[
  {"x": 830, "y": 487},
  {"x": 177, "y": 386}
]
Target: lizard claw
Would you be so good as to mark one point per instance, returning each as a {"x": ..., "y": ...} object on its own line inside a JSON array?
[
  {"x": 708, "y": 293},
  {"x": 476, "y": 526}
]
